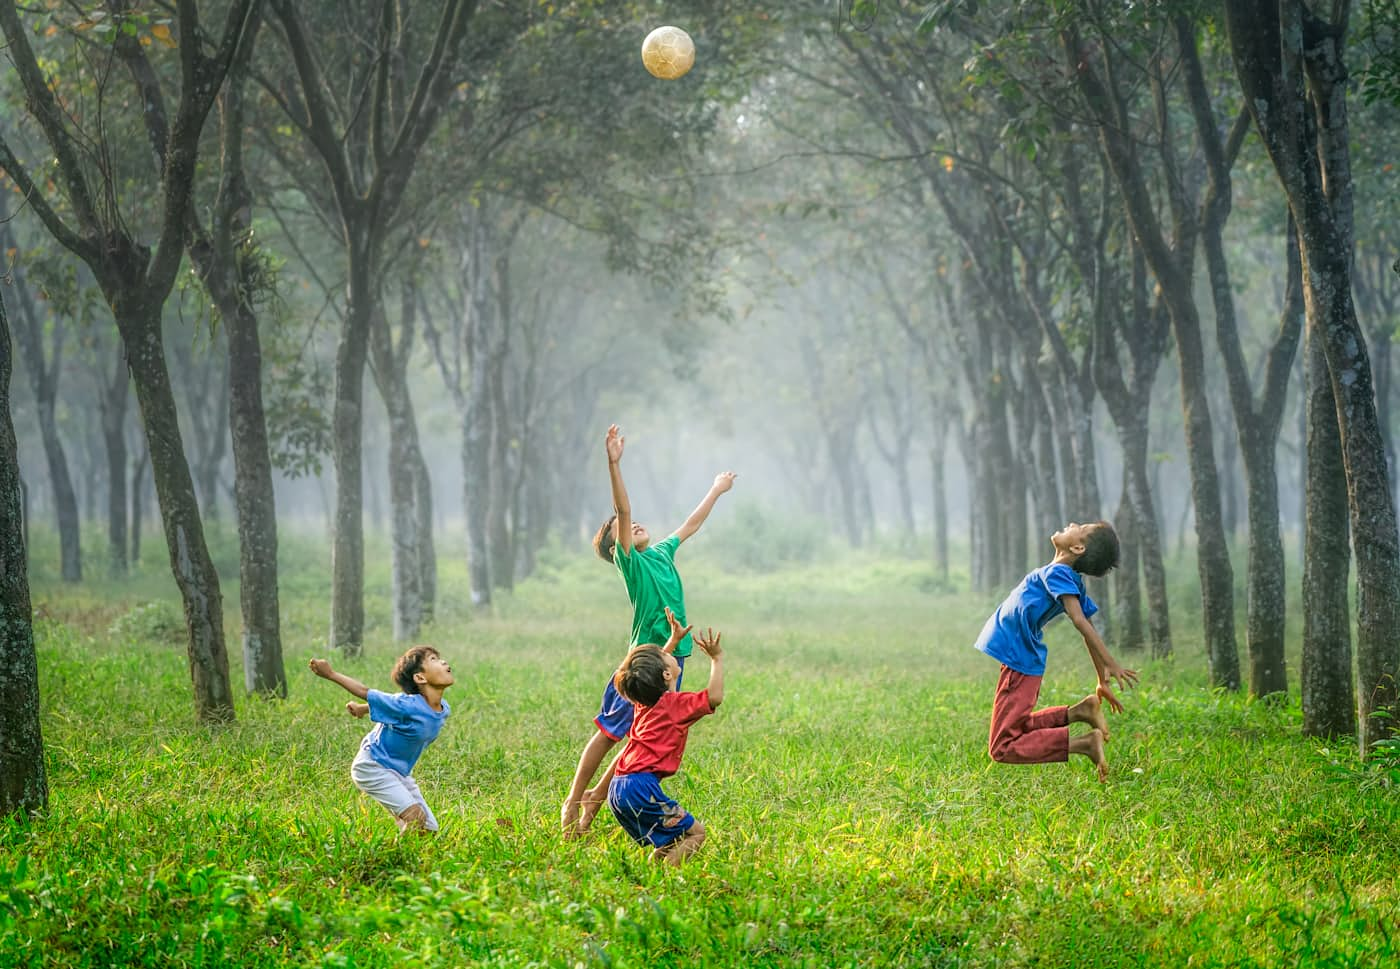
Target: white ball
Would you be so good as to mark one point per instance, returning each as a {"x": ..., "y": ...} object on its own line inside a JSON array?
[{"x": 668, "y": 52}]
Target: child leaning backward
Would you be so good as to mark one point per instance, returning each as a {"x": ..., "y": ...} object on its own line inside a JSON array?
[
  {"x": 653, "y": 585},
  {"x": 404, "y": 724},
  {"x": 1012, "y": 635},
  {"x": 650, "y": 677}
]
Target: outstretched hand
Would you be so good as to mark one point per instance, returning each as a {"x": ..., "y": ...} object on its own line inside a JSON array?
[
  {"x": 724, "y": 481},
  {"x": 614, "y": 443},
  {"x": 677, "y": 632},
  {"x": 1125, "y": 679},
  {"x": 321, "y": 667},
  {"x": 709, "y": 642},
  {"x": 1108, "y": 697}
]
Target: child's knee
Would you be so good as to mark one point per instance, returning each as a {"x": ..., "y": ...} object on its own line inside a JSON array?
[
  {"x": 696, "y": 834},
  {"x": 999, "y": 749}
]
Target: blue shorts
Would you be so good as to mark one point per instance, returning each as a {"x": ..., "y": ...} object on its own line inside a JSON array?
[
  {"x": 649, "y": 817},
  {"x": 615, "y": 713}
]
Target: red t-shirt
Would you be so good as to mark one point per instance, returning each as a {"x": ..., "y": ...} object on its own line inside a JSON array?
[{"x": 657, "y": 738}]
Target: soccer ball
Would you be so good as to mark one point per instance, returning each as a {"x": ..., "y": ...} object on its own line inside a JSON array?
[{"x": 668, "y": 52}]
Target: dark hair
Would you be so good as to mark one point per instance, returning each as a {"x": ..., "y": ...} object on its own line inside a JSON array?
[
  {"x": 642, "y": 676},
  {"x": 604, "y": 541},
  {"x": 410, "y": 663},
  {"x": 1100, "y": 550}
]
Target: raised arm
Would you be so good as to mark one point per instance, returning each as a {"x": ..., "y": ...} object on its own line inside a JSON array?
[
  {"x": 1105, "y": 665},
  {"x": 621, "y": 505},
  {"x": 709, "y": 642},
  {"x": 723, "y": 482},
  {"x": 322, "y": 668},
  {"x": 677, "y": 632}
]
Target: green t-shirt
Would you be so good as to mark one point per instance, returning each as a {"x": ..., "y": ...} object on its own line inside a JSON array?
[{"x": 653, "y": 584}]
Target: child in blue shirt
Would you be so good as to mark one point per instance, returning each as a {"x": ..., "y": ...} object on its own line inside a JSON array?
[
  {"x": 404, "y": 724},
  {"x": 1012, "y": 635}
]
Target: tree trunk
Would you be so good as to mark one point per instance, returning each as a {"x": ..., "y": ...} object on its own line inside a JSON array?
[
  {"x": 138, "y": 503},
  {"x": 256, "y": 507},
  {"x": 1127, "y": 587},
  {"x": 43, "y": 381},
  {"x": 1149, "y": 538},
  {"x": 347, "y": 631},
  {"x": 1328, "y": 702},
  {"x": 939, "y": 498},
  {"x": 1291, "y": 71},
  {"x": 114, "y": 398},
  {"x": 503, "y": 458},
  {"x": 404, "y": 461},
  {"x": 179, "y": 508},
  {"x": 23, "y": 785},
  {"x": 427, "y": 550}
]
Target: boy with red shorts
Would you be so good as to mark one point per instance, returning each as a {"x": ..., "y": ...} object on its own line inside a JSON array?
[{"x": 1012, "y": 635}]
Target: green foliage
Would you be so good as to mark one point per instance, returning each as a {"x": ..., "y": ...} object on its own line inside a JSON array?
[
  {"x": 159, "y": 621},
  {"x": 1379, "y": 74}
]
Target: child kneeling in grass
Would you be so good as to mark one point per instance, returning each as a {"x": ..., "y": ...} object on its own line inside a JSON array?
[
  {"x": 404, "y": 724},
  {"x": 655, "y": 742},
  {"x": 1012, "y": 635}
]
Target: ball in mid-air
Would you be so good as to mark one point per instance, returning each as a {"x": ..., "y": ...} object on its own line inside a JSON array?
[{"x": 668, "y": 52}]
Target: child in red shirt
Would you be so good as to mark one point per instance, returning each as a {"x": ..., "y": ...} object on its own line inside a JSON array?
[{"x": 656, "y": 741}]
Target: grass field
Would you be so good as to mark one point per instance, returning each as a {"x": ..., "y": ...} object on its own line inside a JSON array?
[{"x": 854, "y": 817}]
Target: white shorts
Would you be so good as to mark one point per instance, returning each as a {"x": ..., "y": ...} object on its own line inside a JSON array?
[{"x": 395, "y": 791}]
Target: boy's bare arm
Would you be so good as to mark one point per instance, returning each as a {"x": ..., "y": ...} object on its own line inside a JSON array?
[
  {"x": 322, "y": 668},
  {"x": 621, "y": 505},
  {"x": 723, "y": 482},
  {"x": 1107, "y": 668},
  {"x": 709, "y": 642}
]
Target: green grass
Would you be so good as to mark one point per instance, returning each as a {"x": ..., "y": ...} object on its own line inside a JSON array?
[{"x": 855, "y": 818}]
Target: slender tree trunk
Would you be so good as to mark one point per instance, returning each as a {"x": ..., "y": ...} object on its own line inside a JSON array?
[
  {"x": 404, "y": 462},
  {"x": 179, "y": 508},
  {"x": 427, "y": 550},
  {"x": 501, "y": 526},
  {"x": 347, "y": 631},
  {"x": 212, "y": 455},
  {"x": 138, "y": 503},
  {"x": 1149, "y": 540},
  {"x": 939, "y": 498},
  {"x": 1127, "y": 587},
  {"x": 23, "y": 784},
  {"x": 1329, "y": 708},
  {"x": 114, "y": 398},
  {"x": 256, "y": 508},
  {"x": 43, "y": 381}
]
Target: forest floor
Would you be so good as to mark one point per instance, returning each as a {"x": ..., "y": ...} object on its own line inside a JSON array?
[{"x": 854, "y": 816}]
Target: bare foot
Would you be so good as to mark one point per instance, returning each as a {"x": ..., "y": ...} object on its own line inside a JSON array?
[
  {"x": 1090, "y": 710},
  {"x": 588, "y": 810},
  {"x": 1094, "y": 743}
]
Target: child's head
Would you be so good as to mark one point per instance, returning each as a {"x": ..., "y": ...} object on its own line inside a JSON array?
[
  {"x": 1094, "y": 545},
  {"x": 647, "y": 674},
  {"x": 606, "y": 540},
  {"x": 419, "y": 667}
]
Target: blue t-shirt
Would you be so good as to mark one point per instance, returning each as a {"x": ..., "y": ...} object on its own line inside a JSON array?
[
  {"x": 1012, "y": 633},
  {"x": 404, "y": 726}
]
